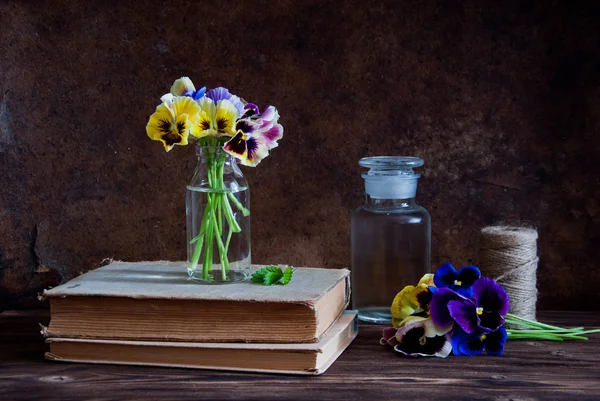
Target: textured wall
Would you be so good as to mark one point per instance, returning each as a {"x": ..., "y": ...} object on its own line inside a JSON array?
[{"x": 501, "y": 99}]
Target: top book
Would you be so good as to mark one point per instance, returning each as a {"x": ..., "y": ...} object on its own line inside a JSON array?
[{"x": 156, "y": 301}]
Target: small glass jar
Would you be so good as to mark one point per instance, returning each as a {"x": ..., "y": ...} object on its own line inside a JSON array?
[
  {"x": 391, "y": 237},
  {"x": 218, "y": 219}
]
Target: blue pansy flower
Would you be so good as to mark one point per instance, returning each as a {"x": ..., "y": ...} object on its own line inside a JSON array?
[
  {"x": 464, "y": 343},
  {"x": 485, "y": 311},
  {"x": 460, "y": 281}
]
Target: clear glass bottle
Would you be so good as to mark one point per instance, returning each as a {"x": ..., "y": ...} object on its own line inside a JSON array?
[
  {"x": 218, "y": 219},
  {"x": 391, "y": 236}
]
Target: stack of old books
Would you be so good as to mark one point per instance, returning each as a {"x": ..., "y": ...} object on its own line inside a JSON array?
[{"x": 149, "y": 313}]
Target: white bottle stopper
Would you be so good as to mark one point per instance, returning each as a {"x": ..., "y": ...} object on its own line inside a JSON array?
[{"x": 391, "y": 177}]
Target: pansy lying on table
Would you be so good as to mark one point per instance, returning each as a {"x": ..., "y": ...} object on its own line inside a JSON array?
[{"x": 463, "y": 313}]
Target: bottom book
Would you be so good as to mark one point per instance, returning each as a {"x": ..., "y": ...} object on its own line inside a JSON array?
[{"x": 306, "y": 358}]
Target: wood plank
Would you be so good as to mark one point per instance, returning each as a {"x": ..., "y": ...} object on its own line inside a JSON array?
[{"x": 529, "y": 370}]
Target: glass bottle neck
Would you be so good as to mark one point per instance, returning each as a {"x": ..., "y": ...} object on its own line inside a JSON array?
[
  {"x": 213, "y": 154},
  {"x": 377, "y": 203}
]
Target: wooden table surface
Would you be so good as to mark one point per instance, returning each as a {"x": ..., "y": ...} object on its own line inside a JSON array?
[{"x": 529, "y": 370}]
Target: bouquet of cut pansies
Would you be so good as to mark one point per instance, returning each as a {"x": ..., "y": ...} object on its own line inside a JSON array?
[
  {"x": 463, "y": 313},
  {"x": 223, "y": 124}
]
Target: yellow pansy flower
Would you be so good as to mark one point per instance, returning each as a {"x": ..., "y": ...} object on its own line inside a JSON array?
[
  {"x": 412, "y": 301},
  {"x": 216, "y": 119},
  {"x": 173, "y": 121}
]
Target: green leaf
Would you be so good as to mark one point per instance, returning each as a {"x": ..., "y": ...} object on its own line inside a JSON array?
[
  {"x": 272, "y": 275},
  {"x": 271, "y": 278},
  {"x": 287, "y": 276}
]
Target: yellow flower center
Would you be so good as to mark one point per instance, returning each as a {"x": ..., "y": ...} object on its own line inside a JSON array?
[
  {"x": 479, "y": 311},
  {"x": 422, "y": 340},
  {"x": 483, "y": 337},
  {"x": 456, "y": 282}
]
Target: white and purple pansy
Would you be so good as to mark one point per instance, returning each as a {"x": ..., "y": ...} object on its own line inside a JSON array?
[
  {"x": 255, "y": 134},
  {"x": 412, "y": 340}
]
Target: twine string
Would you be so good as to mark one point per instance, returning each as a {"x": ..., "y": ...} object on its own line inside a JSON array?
[{"x": 509, "y": 256}]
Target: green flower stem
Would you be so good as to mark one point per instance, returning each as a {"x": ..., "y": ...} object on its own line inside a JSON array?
[
  {"x": 514, "y": 319},
  {"x": 533, "y": 330},
  {"x": 228, "y": 238},
  {"x": 222, "y": 251},
  {"x": 235, "y": 227},
  {"x": 199, "y": 239},
  {"x": 589, "y": 331},
  {"x": 207, "y": 262},
  {"x": 220, "y": 212},
  {"x": 237, "y": 203},
  {"x": 218, "y": 217}
]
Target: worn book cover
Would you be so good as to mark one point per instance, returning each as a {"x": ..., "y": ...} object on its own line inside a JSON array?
[
  {"x": 309, "y": 359},
  {"x": 157, "y": 301}
]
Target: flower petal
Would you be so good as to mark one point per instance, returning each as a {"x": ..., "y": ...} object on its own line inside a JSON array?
[
  {"x": 236, "y": 146},
  {"x": 206, "y": 118},
  {"x": 413, "y": 342},
  {"x": 467, "y": 275},
  {"x": 225, "y": 115},
  {"x": 438, "y": 307},
  {"x": 257, "y": 150},
  {"x": 464, "y": 343},
  {"x": 167, "y": 127},
  {"x": 431, "y": 329},
  {"x": 221, "y": 93},
  {"x": 494, "y": 342},
  {"x": 186, "y": 105},
  {"x": 445, "y": 276},
  {"x": 389, "y": 336},
  {"x": 271, "y": 136},
  {"x": 199, "y": 93},
  {"x": 183, "y": 87},
  {"x": 490, "y": 296},
  {"x": 464, "y": 313},
  {"x": 251, "y": 109},
  {"x": 490, "y": 321},
  {"x": 248, "y": 149},
  {"x": 427, "y": 279},
  {"x": 405, "y": 304}
]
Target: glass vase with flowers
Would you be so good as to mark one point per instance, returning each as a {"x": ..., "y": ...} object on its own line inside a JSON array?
[{"x": 227, "y": 131}]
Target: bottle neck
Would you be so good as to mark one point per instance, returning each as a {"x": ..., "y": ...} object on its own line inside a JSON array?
[
  {"x": 377, "y": 203},
  {"x": 214, "y": 154}
]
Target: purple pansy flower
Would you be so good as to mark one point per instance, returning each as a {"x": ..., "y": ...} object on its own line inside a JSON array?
[
  {"x": 485, "y": 311},
  {"x": 460, "y": 281},
  {"x": 464, "y": 343},
  {"x": 438, "y": 307},
  {"x": 221, "y": 93}
]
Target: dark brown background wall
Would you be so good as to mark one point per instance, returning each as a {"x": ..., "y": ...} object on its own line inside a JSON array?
[{"x": 501, "y": 99}]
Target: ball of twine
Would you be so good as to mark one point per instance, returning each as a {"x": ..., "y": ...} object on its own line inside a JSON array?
[{"x": 509, "y": 256}]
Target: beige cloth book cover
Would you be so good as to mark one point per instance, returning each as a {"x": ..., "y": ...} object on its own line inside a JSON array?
[
  {"x": 307, "y": 359},
  {"x": 156, "y": 301}
]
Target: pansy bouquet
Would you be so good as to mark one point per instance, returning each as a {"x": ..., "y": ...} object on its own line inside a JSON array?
[
  {"x": 223, "y": 125},
  {"x": 449, "y": 311},
  {"x": 463, "y": 313}
]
